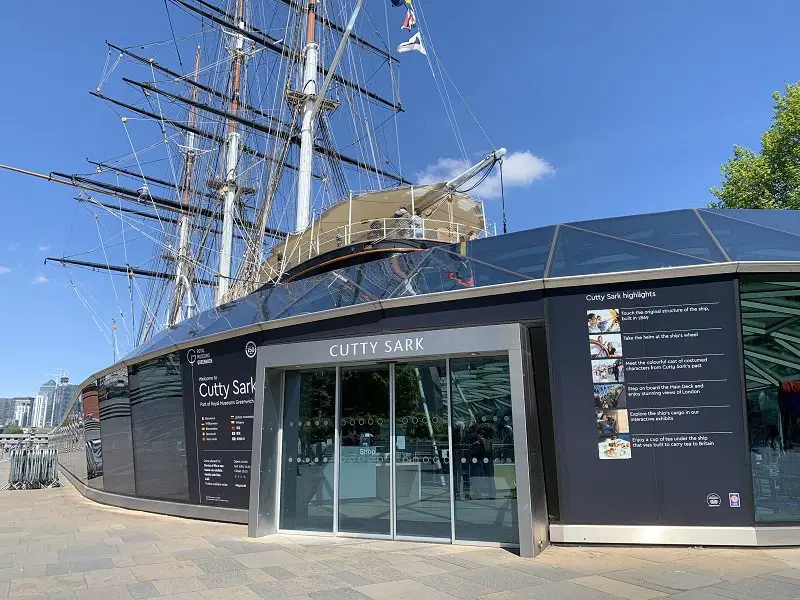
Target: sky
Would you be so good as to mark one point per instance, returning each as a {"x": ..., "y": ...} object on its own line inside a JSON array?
[{"x": 606, "y": 108}]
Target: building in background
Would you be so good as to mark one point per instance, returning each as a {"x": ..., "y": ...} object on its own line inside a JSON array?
[
  {"x": 22, "y": 410},
  {"x": 6, "y": 411},
  {"x": 41, "y": 404},
  {"x": 62, "y": 394}
]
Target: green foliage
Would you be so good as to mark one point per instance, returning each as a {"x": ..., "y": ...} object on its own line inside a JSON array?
[
  {"x": 12, "y": 429},
  {"x": 770, "y": 178}
]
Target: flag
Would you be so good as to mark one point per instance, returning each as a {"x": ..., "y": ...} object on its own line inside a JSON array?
[
  {"x": 415, "y": 43},
  {"x": 411, "y": 20}
]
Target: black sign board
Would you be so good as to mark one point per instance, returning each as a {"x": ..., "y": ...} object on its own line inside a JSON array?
[
  {"x": 219, "y": 397},
  {"x": 648, "y": 405}
]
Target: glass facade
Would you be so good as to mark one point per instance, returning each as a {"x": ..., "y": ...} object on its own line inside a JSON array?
[
  {"x": 422, "y": 450},
  {"x": 364, "y": 477},
  {"x": 309, "y": 431},
  {"x": 771, "y": 333},
  {"x": 483, "y": 450},
  {"x": 649, "y": 241},
  {"x": 115, "y": 433},
  {"x": 159, "y": 442}
]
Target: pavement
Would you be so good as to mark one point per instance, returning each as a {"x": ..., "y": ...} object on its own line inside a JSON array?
[{"x": 56, "y": 544}]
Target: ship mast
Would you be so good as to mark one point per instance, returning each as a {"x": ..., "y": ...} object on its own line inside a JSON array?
[
  {"x": 183, "y": 289},
  {"x": 308, "y": 88},
  {"x": 231, "y": 157}
]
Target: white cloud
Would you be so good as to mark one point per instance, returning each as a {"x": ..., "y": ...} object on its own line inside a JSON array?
[
  {"x": 4, "y": 269},
  {"x": 42, "y": 248},
  {"x": 12, "y": 247},
  {"x": 520, "y": 169},
  {"x": 40, "y": 279}
]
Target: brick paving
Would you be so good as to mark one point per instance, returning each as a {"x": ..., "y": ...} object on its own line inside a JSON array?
[{"x": 55, "y": 544}]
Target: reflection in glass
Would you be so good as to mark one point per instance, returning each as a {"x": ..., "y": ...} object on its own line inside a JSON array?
[
  {"x": 157, "y": 424},
  {"x": 115, "y": 433},
  {"x": 91, "y": 429},
  {"x": 485, "y": 486},
  {"x": 771, "y": 333},
  {"x": 364, "y": 505},
  {"x": 308, "y": 450},
  {"x": 422, "y": 462}
]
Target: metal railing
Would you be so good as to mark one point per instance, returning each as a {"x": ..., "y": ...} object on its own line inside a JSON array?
[{"x": 315, "y": 242}]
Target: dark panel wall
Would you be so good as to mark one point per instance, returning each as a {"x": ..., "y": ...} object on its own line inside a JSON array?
[
  {"x": 159, "y": 441},
  {"x": 651, "y": 430},
  {"x": 115, "y": 433}
]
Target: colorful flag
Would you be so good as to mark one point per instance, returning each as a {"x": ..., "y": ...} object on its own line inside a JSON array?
[
  {"x": 414, "y": 44},
  {"x": 411, "y": 20}
]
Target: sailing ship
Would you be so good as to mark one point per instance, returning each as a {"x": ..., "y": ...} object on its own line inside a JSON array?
[{"x": 271, "y": 159}]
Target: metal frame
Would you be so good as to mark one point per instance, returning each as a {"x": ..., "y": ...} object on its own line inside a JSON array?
[{"x": 493, "y": 339}]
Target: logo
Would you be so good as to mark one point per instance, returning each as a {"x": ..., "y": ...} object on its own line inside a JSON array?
[
  {"x": 250, "y": 349},
  {"x": 191, "y": 356},
  {"x": 735, "y": 499},
  {"x": 713, "y": 500}
]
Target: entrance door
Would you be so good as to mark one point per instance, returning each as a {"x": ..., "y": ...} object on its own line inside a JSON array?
[
  {"x": 364, "y": 451},
  {"x": 422, "y": 451}
]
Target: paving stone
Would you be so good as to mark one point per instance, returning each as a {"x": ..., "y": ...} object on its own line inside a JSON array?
[
  {"x": 109, "y": 577},
  {"x": 238, "y": 592},
  {"x": 166, "y": 571},
  {"x": 562, "y": 590},
  {"x": 146, "y": 589},
  {"x": 217, "y": 580},
  {"x": 219, "y": 565},
  {"x": 459, "y": 587},
  {"x": 115, "y": 592},
  {"x": 61, "y": 568},
  {"x": 501, "y": 578},
  {"x": 339, "y": 594},
  {"x": 152, "y": 559},
  {"x": 279, "y": 572},
  {"x": 758, "y": 587},
  {"x": 404, "y": 589},
  {"x": 133, "y": 538},
  {"x": 617, "y": 588},
  {"x": 271, "y": 558},
  {"x": 178, "y": 585},
  {"x": 83, "y": 566},
  {"x": 666, "y": 578},
  {"x": 353, "y": 579}
]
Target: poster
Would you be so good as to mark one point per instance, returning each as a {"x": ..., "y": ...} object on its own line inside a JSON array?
[
  {"x": 219, "y": 398},
  {"x": 648, "y": 405}
]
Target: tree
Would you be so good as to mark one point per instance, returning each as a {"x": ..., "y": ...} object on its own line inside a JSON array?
[
  {"x": 770, "y": 178},
  {"x": 12, "y": 429}
]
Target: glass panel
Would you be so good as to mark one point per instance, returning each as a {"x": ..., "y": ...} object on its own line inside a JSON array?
[
  {"x": 309, "y": 429},
  {"x": 785, "y": 220},
  {"x": 524, "y": 252},
  {"x": 422, "y": 461},
  {"x": 581, "y": 253},
  {"x": 115, "y": 432},
  {"x": 91, "y": 431},
  {"x": 747, "y": 241},
  {"x": 771, "y": 333},
  {"x": 678, "y": 230},
  {"x": 159, "y": 437},
  {"x": 485, "y": 483},
  {"x": 364, "y": 453}
]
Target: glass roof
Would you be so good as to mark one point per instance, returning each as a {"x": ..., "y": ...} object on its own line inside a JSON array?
[{"x": 649, "y": 241}]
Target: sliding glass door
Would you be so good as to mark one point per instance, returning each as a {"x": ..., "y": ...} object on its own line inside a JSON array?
[{"x": 420, "y": 449}]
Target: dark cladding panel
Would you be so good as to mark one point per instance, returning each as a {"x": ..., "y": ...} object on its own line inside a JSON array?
[
  {"x": 115, "y": 433},
  {"x": 648, "y": 406},
  {"x": 218, "y": 400},
  {"x": 159, "y": 440}
]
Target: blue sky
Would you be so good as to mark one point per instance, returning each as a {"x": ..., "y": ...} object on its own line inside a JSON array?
[{"x": 634, "y": 105}]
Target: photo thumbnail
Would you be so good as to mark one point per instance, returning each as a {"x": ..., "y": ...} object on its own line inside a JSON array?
[
  {"x": 608, "y": 345},
  {"x": 604, "y": 320},
  {"x": 608, "y": 370},
  {"x": 614, "y": 447},
  {"x": 612, "y": 422},
  {"x": 610, "y": 395}
]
